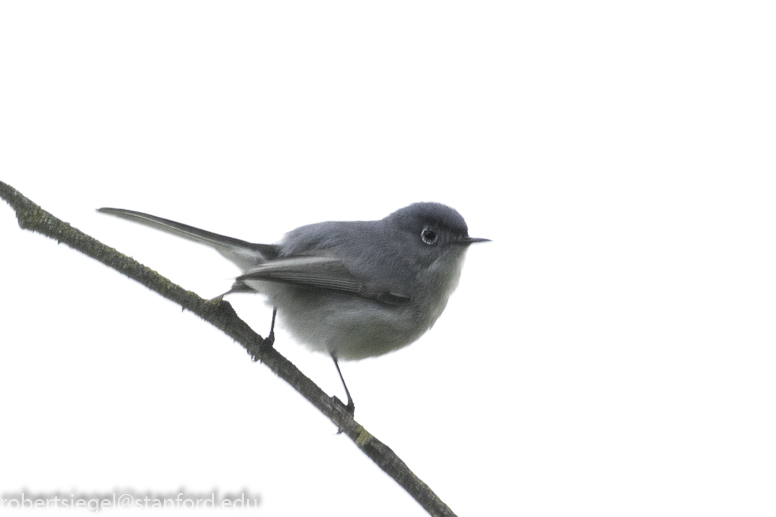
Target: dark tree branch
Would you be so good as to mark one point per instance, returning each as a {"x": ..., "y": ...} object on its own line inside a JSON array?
[{"x": 221, "y": 315}]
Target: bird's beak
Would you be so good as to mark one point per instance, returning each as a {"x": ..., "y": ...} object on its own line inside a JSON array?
[{"x": 472, "y": 240}]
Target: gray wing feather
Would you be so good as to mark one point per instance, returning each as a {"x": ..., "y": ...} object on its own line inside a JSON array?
[{"x": 319, "y": 272}]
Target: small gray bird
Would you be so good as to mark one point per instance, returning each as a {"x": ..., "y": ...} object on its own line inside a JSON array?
[{"x": 351, "y": 289}]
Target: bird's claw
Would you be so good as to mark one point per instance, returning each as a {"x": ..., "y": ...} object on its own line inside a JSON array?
[
  {"x": 268, "y": 341},
  {"x": 257, "y": 349},
  {"x": 350, "y": 407}
]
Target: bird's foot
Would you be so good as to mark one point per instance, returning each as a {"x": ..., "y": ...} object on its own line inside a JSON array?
[
  {"x": 350, "y": 407},
  {"x": 256, "y": 349}
]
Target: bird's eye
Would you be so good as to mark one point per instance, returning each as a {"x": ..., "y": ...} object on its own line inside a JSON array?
[{"x": 429, "y": 236}]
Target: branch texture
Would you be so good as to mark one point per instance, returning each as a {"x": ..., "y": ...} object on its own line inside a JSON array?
[{"x": 221, "y": 315}]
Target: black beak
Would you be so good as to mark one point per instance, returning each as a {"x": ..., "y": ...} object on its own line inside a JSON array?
[{"x": 472, "y": 240}]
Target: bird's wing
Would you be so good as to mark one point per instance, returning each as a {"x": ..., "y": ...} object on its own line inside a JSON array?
[
  {"x": 319, "y": 272},
  {"x": 244, "y": 254}
]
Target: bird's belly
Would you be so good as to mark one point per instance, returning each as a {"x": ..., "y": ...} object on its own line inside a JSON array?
[{"x": 351, "y": 327}]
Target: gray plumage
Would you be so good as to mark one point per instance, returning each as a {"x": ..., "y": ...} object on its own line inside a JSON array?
[{"x": 351, "y": 289}]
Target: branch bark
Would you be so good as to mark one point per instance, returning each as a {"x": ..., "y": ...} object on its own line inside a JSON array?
[{"x": 221, "y": 315}]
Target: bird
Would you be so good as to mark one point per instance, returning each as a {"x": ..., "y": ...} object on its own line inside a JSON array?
[{"x": 350, "y": 289}]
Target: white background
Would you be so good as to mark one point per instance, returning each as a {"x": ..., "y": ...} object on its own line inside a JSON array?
[{"x": 610, "y": 353}]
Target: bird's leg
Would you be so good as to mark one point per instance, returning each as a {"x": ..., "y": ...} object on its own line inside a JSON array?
[
  {"x": 267, "y": 342},
  {"x": 350, "y": 408},
  {"x": 270, "y": 339}
]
